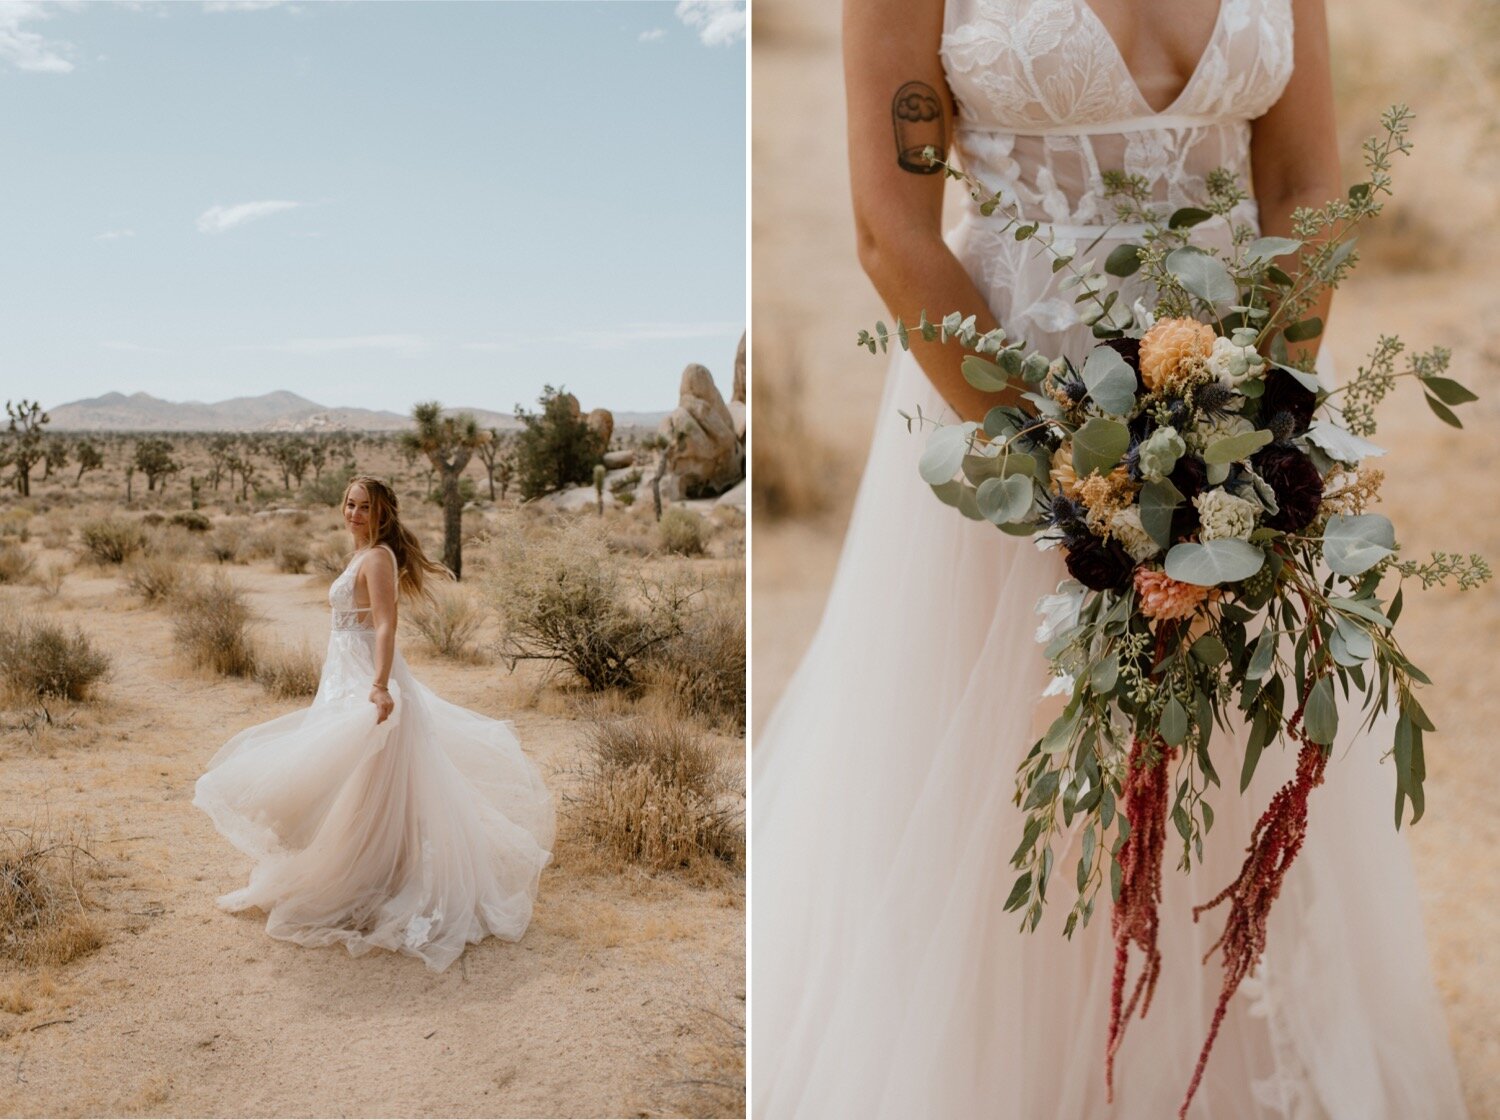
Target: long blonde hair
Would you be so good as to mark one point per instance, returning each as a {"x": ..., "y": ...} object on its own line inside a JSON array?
[{"x": 412, "y": 564}]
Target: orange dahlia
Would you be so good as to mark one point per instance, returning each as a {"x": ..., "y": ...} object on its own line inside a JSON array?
[
  {"x": 1166, "y": 599},
  {"x": 1170, "y": 345}
]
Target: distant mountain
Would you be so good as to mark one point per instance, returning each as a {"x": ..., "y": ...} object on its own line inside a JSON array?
[{"x": 280, "y": 411}]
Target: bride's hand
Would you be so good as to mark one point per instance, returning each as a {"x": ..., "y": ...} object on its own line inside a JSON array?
[{"x": 384, "y": 705}]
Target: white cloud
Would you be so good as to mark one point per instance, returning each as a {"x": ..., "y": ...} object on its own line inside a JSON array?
[
  {"x": 651, "y": 36},
  {"x": 718, "y": 22},
  {"x": 217, "y": 219},
  {"x": 115, "y": 234},
  {"x": 29, "y": 50},
  {"x": 351, "y": 342},
  {"x": 240, "y": 5}
]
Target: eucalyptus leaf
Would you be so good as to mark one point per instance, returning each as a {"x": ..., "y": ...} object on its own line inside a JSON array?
[
  {"x": 1304, "y": 331},
  {"x": 968, "y": 503},
  {"x": 1110, "y": 380},
  {"x": 1263, "y": 249},
  {"x": 1098, "y": 446},
  {"x": 945, "y": 451},
  {"x": 1447, "y": 390},
  {"x": 1354, "y": 544},
  {"x": 1321, "y": 716},
  {"x": 948, "y": 492},
  {"x": 1158, "y": 500},
  {"x": 984, "y": 374},
  {"x": 1174, "y": 723},
  {"x": 1209, "y": 650},
  {"x": 1442, "y": 411},
  {"x": 1187, "y": 217},
  {"x": 1341, "y": 444},
  {"x": 1231, "y": 449},
  {"x": 1003, "y": 500},
  {"x": 1123, "y": 260},
  {"x": 1262, "y": 656},
  {"x": 1202, "y": 275},
  {"x": 1214, "y": 562}
]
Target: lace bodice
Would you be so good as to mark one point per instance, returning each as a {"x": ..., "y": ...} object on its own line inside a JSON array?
[
  {"x": 346, "y": 615},
  {"x": 1046, "y": 103}
]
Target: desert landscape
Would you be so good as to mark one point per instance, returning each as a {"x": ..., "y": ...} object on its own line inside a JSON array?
[
  {"x": 150, "y": 610},
  {"x": 1425, "y": 276}
]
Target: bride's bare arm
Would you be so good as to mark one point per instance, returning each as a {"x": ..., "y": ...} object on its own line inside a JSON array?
[
  {"x": 1294, "y": 157},
  {"x": 380, "y": 581},
  {"x": 899, "y": 102}
]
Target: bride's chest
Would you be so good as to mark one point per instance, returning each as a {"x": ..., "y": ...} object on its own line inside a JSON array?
[{"x": 1050, "y": 64}]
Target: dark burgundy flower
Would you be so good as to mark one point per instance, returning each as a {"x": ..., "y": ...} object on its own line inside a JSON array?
[
  {"x": 1285, "y": 394},
  {"x": 1190, "y": 476},
  {"x": 1298, "y": 486},
  {"x": 1100, "y": 565}
]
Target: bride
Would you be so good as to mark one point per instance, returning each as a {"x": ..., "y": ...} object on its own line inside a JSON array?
[
  {"x": 888, "y": 981},
  {"x": 382, "y": 816}
]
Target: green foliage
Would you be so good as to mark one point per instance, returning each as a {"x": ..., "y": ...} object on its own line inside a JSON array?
[{"x": 555, "y": 447}]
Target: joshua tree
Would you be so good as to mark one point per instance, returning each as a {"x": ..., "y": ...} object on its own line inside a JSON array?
[
  {"x": 153, "y": 457},
  {"x": 448, "y": 442},
  {"x": 23, "y": 443},
  {"x": 55, "y": 456},
  {"x": 220, "y": 449},
  {"x": 492, "y": 453},
  {"x": 90, "y": 458}
]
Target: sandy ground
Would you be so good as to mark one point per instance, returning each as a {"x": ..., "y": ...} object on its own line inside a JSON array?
[
  {"x": 810, "y": 298},
  {"x": 623, "y": 992}
]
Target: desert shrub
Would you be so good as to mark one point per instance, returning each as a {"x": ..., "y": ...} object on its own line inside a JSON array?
[
  {"x": 293, "y": 556},
  {"x": 15, "y": 562},
  {"x": 171, "y": 542},
  {"x": 212, "y": 628},
  {"x": 155, "y": 578},
  {"x": 265, "y": 543},
  {"x": 449, "y": 620},
  {"x": 225, "y": 543},
  {"x": 15, "y": 524},
  {"x": 112, "y": 540},
  {"x": 327, "y": 490},
  {"x": 287, "y": 673},
  {"x": 704, "y": 668},
  {"x": 192, "y": 521},
  {"x": 555, "y": 446},
  {"x": 43, "y": 898},
  {"x": 564, "y": 597},
  {"x": 681, "y": 531},
  {"x": 50, "y": 577},
  {"x": 655, "y": 794},
  {"x": 39, "y": 659},
  {"x": 329, "y": 559},
  {"x": 152, "y": 519}
]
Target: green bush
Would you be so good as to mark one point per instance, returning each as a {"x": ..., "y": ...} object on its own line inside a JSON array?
[{"x": 555, "y": 447}]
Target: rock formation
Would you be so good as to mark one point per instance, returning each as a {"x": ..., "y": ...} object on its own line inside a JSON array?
[
  {"x": 737, "y": 399},
  {"x": 704, "y": 457},
  {"x": 602, "y": 422}
]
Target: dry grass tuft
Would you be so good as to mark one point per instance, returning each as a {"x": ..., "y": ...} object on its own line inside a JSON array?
[
  {"x": 681, "y": 531},
  {"x": 15, "y": 562},
  {"x": 155, "y": 578},
  {"x": 293, "y": 557},
  {"x": 329, "y": 559},
  {"x": 703, "y": 669},
  {"x": 112, "y": 540},
  {"x": 212, "y": 628},
  {"x": 288, "y": 673},
  {"x": 449, "y": 620},
  {"x": 654, "y": 794},
  {"x": 791, "y": 467},
  {"x": 39, "y": 659},
  {"x": 44, "y": 916},
  {"x": 225, "y": 543}
]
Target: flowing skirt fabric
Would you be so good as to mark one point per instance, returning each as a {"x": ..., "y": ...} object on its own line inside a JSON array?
[
  {"x": 887, "y": 980},
  {"x": 419, "y": 835}
]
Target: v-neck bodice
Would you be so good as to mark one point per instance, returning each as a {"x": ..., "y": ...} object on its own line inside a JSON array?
[{"x": 1047, "y": 103}]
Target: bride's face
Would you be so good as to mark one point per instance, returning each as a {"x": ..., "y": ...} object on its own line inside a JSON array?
[{"x": 357, "y": 512}]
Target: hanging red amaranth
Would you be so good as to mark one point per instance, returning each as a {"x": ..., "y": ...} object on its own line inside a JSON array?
[
  {"x": 1134, "y": 919},
  {"x": 1274, "y": 845}
]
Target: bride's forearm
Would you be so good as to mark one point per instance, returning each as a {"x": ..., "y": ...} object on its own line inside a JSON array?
[
  {"x": 924, "y": 275},
  {"x": 385, "y": 653}
]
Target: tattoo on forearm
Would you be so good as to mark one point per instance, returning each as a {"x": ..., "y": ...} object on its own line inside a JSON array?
[{"x": 918, "y": 116}]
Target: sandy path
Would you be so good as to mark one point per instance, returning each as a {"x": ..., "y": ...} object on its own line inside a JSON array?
[
  {"x": 810, "y": 297},
  {"x": 600, "y": 1010}
]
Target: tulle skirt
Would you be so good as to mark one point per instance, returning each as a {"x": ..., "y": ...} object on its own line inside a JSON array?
[
  {"x": 888, "y": 981},
  {"x": 420, "y": 835}
]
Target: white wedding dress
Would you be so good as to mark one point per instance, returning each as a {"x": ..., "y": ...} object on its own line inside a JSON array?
[
  {"x": 420, "y": 834},
  {"x": 887, "y": 980}
]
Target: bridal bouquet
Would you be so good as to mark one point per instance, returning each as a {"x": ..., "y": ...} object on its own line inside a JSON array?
[{"x": 1211, "y": 498}]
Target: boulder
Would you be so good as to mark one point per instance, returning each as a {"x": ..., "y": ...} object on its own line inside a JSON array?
[
  {"x": 573, "y": 408},
  {"x": 733, "y": 498},
  {"x": 602, "y": 423},
  {"x": 574, "y": 499},
  {"x": 704, "y": 456},
  {"x": 737, "y": 398},
  {"x": 615, "y": 460}
]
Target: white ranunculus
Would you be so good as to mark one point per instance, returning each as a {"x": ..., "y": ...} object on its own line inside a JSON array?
[
  {"x": 1205, "y": 431},
  {"x": 1125, "y": 526},
  {"x": 1223, "y": 516},
  {"x": 1234, "y": 364}
]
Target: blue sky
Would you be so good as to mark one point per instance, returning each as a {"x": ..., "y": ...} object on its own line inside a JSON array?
[{"x": 371, "y": 203}]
